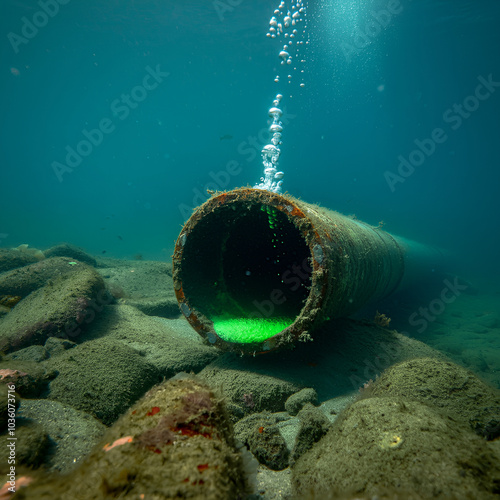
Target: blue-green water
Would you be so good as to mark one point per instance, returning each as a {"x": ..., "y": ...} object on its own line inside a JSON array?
[
  {"x": 118, "y": 115},
  {"x": 367, "y": 99}
]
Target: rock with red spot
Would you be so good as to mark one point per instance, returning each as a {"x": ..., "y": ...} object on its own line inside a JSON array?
[{"x": 176, "y": 442}]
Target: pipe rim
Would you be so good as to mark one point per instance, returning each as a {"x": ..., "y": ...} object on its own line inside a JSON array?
[{"x": 310, "y": 312}]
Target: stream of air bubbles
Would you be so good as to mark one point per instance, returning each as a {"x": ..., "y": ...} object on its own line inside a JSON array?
[{"x": 288, "y": 24}]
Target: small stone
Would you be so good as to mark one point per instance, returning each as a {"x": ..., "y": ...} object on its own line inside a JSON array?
[{"x": 297, "y": 401}]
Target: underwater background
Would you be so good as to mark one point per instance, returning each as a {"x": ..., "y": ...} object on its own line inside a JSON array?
[
  {"x": 119, "y": 118},
  {"x": 365, "y": 103}
]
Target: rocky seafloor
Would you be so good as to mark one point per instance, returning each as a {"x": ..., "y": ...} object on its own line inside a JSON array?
[{"x": 116, "y": 396}]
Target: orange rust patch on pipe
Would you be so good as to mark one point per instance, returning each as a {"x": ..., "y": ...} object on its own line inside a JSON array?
[
  {"x": 179, "y": 294},
  {"x": 295, "y": 212}
]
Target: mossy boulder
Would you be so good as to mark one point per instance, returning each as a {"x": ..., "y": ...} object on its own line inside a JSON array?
[
  {"x": 72, "y": 433},
  {"x": 64, "y": 307},
  {"x": 101, "y": 377},
  {"x": 171, "y": 346},
  {"x": 297, "y": 401},
  {"x": 260, "y": 433},
  {"x": 71, "y": 251},
  {"x": 176, "y": 442},
  {"x": 313, "y": 426},
  {"x": 24, "y": 280},
  {"x": 248, "y": 390},
  {"x": 386, "y": 444},
  {"x": 29, "y": 377},
  {"x": 11, "y": 258},
  {"x": 32, "y": 445},
  {"x": 445, "y": 386}
]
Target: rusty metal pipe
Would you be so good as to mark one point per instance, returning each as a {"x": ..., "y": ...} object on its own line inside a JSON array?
[{"x": 253, "y": 257}]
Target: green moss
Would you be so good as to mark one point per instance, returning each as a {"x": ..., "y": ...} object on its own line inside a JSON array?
[{"x": 246, "y": 330}]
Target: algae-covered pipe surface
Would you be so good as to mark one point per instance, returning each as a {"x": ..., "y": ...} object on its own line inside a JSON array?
[{"x": 255, "y": 271}]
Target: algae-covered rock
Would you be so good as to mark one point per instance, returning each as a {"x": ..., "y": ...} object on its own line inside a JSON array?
[
  {"x": 386, "y": 444},
  {"x": 144, "y": 284},
  {"x": 165, "y": 307},
  {"x": 445, "y": 386},
  {"x": 71, "y": 251},
  {"x": 4, "y": 310},
  {"x": 55, "y": 346},
  {"x": 245, "y": 387},
  {"x": 33, "y": 353},
  {"x": 24, "y": 280},
  {"x": 297, "y": 401},
  {"x": 31, "y": 445},
  {"x": 176, "y": 442},
  {"x": 64, "y": 307},
  {"x": 11, "y": 258},
  {"x": 313, "y": 426},
  {"x": 72, "y": 433},
  {"x": 171, "y": 346},
  {"x": 260, "y": 433},
  {"x": 29, "y": 378},
  {"x": 101, "y": 377}
]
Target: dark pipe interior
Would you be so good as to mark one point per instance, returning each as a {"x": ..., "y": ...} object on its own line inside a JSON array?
[{"x": 247, "y": 262}]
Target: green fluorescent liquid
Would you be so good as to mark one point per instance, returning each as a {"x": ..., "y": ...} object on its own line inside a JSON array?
[{"x": 245, "y": 330}]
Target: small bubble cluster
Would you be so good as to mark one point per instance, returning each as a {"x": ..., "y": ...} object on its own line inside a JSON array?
[
  {"x": 272, "y": 180},
  {"x": 290, "y": 24}
]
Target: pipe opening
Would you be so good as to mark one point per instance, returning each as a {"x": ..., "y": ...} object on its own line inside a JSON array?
[{"x": 247, "y": 268}]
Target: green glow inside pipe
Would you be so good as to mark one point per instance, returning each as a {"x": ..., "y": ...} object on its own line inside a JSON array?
[{"x": 246, "y": 330}]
